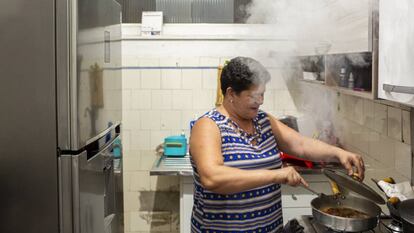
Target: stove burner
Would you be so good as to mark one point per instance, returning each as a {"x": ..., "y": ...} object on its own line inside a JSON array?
[{"x": 395, "y": 226}]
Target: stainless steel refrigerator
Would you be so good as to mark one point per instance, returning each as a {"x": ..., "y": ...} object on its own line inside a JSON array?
[{"x": 60, "y": 104}]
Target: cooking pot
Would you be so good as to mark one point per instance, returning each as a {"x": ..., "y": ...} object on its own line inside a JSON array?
[
  {"x": 406, "y": 210},
  {"x": 366, "y": 205}
]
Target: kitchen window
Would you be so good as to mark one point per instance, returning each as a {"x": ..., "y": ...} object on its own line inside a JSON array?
[{"x": 187, "y": 11}]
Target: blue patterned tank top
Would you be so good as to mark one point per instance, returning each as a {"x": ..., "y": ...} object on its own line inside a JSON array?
[{"x": 253, "y": 211}]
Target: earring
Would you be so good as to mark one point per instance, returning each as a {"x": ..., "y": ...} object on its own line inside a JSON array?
[{"x": 231, "y": 101}]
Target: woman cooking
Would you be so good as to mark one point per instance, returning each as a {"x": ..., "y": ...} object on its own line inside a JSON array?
[{"x": 235, "y": 157}]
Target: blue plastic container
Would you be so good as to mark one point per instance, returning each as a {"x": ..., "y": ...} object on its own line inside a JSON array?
[{"x": 175, "y": 146}]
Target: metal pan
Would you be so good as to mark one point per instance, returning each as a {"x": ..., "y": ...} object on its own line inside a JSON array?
[
  {"x": 343, "y": 224},
  {"x": 407, "y": 215}
]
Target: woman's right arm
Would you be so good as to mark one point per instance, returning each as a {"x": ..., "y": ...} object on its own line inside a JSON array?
[{"x": 205, "y": 149}]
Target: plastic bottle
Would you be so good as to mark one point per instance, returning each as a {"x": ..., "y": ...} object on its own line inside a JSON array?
[
  {"x": 351, "y": 81},
  {"x": 117, "y": 153},
  {"x": 342, "y": 78}
]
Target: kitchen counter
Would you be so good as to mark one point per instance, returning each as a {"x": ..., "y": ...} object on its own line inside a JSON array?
[
  {"x": 181, "y": 166},
  {"x": 172, "y": 166}
]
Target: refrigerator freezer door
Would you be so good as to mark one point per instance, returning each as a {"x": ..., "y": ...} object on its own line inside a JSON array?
[
  {"x": 87, "y": 193},
  {"x": 88, "y": 67},
  {"x": 396, "y": 60}
]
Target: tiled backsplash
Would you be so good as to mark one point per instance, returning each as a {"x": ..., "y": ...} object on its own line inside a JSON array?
[{"x": 379, "y": 132}]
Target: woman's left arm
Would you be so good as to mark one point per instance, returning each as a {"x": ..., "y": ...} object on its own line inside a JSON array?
[{"x": 293, "y": 143}]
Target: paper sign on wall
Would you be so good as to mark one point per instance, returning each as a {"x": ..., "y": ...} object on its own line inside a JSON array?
[{"x": 151, "y": 22}]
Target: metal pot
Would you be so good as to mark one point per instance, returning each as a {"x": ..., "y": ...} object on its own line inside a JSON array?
[
  {"x": 343, "y": 224},
  {"x": 367, "y": 206},
  {"x": 406, "y": 210}
]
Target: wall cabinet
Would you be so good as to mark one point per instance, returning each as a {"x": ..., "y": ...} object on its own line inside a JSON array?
[
  {"x": 353, "y": 48},
  {"x": 396, "y": 51}
]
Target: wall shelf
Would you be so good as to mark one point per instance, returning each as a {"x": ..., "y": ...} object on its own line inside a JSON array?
[{"x": 362, "y": 65}]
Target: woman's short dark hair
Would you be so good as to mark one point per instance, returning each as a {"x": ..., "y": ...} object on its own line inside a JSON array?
[{"x": 241, "y": 73}]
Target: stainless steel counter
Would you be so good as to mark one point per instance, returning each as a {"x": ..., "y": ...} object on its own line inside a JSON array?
[
  {"x": 181, "y": 166},
  {"x": 172, "y": 166}
]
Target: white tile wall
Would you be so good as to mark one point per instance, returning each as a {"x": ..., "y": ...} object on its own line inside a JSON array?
[
  {"x": 149, "y": 62},
  {"x": 203, "y": 99},
  {"x": 140, "y": 140},
  {"x": 150, "y": 221},
  {"x": 276, "y": 82},
  {"x": 147, "y": 159},
  {"x": 126, "y": 140},
  {"x": 131, "y": 79},
  {"x": 380, "y": 119},
  {"x": 403, "y": 159},
  {"x": 190, "y": 61},
  {"x": 191, "y": 78},
  {"x": 140, "y": 99},
  {"x": 126, "y": 99},
  {"x": 131, "y": 198},
  {"x": 131, "y": 160},
  {"x": 151, "y": 120},
  {"x": 171, "y": 120},
  {"x": 131, "y": 120},
  {"x": 210, "y": 61},
  {"x": 129, "y": 60},
  {"x": 357, "y": 106},
  {"x": 269, "y": 101},
  {"x": 151, "y": 79},
  {"x": 182, "y": 99},
  {"x": 368, "y": 114},
  {"x": 209, "y": 79},
  {"x": 139, "y": 181},
  {"x": 165, "y": 183},
  {"x": 161, "y": 99},
  {"x": 171, "y": 79},
  {"x": 406, "y": 127},
  {"x": 394, "y": 123},
  {"x": 284, "y": 100},
  {"x": 170, "y": 62},
  {"x": 377, "y": 131}
]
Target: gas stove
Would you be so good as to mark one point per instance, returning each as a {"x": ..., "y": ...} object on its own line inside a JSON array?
[{"x": 386, "y": 225}]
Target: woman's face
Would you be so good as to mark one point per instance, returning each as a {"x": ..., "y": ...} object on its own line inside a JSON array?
[{"x": 247, "y": 102}]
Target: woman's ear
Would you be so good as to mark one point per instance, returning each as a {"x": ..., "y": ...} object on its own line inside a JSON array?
[{"x": 230, "y": 91}]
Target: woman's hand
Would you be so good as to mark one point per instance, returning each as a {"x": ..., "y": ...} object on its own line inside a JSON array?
[
  {"x": 350, "y": 161},
  {"x": 290, "y": 176}
]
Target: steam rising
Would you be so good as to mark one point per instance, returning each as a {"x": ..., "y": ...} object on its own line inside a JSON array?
[
  {"x": 312, "y": 25},
  {"x": 296, "y": 19}
]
